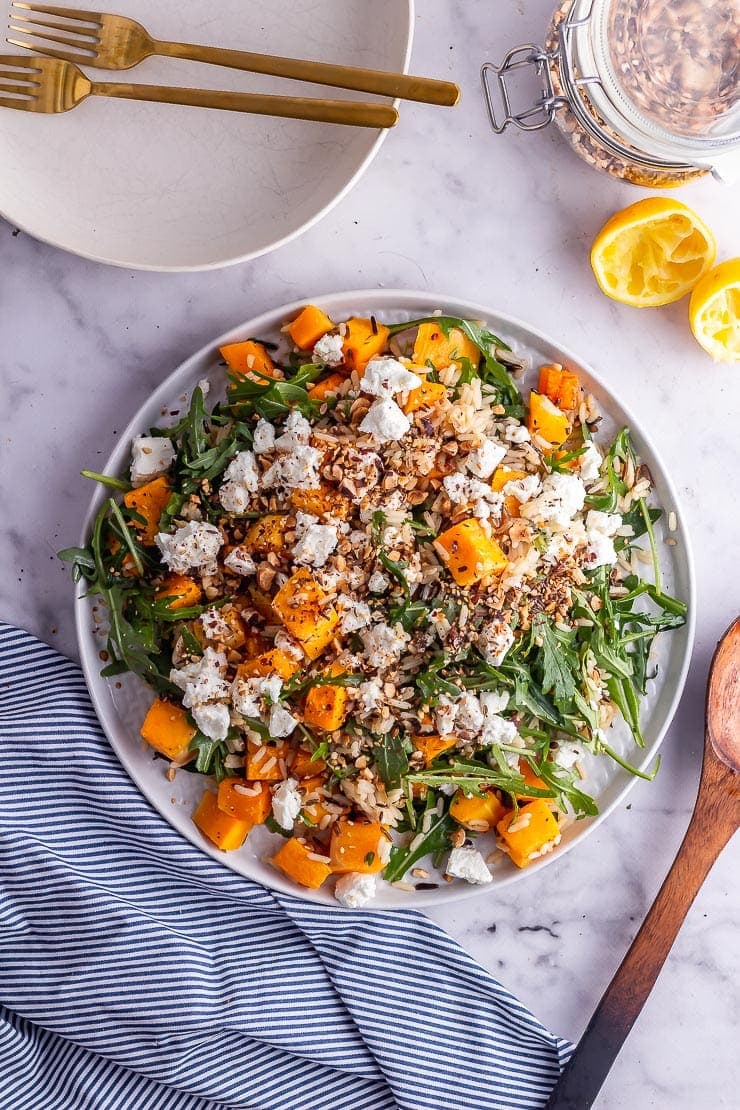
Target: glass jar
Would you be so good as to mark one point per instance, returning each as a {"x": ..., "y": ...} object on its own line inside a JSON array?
[{"x": 644, "y": 90}]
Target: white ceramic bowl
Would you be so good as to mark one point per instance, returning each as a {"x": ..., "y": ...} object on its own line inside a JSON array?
[
  {"x": 122, "y": 710},
  {"x": 165, "y": 187}
]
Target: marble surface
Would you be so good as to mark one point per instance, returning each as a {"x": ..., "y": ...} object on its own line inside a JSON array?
[{"x": 507, "y": 221}]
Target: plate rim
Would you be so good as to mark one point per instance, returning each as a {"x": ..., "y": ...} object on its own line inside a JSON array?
[
  {"x": 248, "y": 256},
  {"x": 394, "y": 299}
]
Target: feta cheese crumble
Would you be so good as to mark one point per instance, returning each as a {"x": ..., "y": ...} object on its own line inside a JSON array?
[
  {"x": 590, "y": 462},
  {"x": 151, "y": 456},
  {"x": 286, "y": 804},
  {"x": 329, "y": 350},
  {"x": 494, "y": 641},
  {"x": 241, "y": 479},
  {"x": 194, "y": 546},
  {"x": 296, "y": 432},
  {"x": 562, "y": 496},
  {"x": 600, "y": 531},
  {"x": 483, "y": 501},
  {"x": 212, "y": 719},
  {"x": 483, "y": 461},
  {"x": 468, "y": 864},
  {"x": 315, "y": 542},
  {"x": 355, "y": 889},
  {"x": 263, "y": 438},
  {"x": 385, "y": 377},
  {"x": 281, "y": 722},
  {"x": 203, "y": 680},
  {"x": 239, "y": 561},
  {"x": 384, "y": 645},
  {"x": 297, "y": 470},
  {"x": 386, "y": 421}
]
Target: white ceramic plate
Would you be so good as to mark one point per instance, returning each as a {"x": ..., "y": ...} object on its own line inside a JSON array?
[
  {"x": 122, "y": 710},
  {"x": 165, "y": 187}
]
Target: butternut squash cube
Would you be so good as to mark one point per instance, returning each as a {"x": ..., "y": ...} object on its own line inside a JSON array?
[
  {"x": 266, "y": 534},
  {"x": 425, "y": 395},
  {"x": 304, "y": 764},
  {"x": 270, "y": 662},
  {"x": 469, "y": 553},
  {"x": 326, "y": 387},
  {"x": 530, "y": 833},
  {"x": 547, "y": 420},
  {"x": 478, "y": 814},
  {"x": 166, "y": 728},
  {"x": 179, "y": 591},
  {"x": 362, "y": 342},
  {"x": 500, "y": 479},
  {"x": 299, "y": 604},
  {"x": 321, "y": 502},
  {"x": 432, "y": 746},
  {"x": 432, "y": 345},
  {"x": 249, "y": 358},
  {"x": 326, "y": 707},
  {"x": 308, "y": 327},
  {"x": 253, "y": 807},
  {"x": 531, "y": 779},
  {"x": 149, "y": 501},
  {"x": 561, "y": 386},
  {"x": 358, "y": 846},
  {"x": 263, "y": 762},
  {"x": 226, "y": 832},
  {"x": 304, "y": 863}
]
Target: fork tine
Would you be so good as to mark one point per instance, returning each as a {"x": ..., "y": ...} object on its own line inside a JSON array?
[
  {"x": 71, "y": 13},
  {"x": 75, "y": 43},
  {"x": 22, "y": 90},
  {"x": 48, "y": 52},
  {"x": 9, "y": 102},
  {"x": 18, "y": 61},
  {"x": 88, "y": 32}
]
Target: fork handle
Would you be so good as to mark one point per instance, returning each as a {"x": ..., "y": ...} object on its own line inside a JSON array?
[
  {"x": 401, "y": 85},
  {"x": 290, "y": 107}
]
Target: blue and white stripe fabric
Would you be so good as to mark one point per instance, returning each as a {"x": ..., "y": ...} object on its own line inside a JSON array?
[{"x": 137, "y": 973}]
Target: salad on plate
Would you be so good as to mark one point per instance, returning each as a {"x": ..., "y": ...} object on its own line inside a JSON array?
[{"x": 389, "y": 605}]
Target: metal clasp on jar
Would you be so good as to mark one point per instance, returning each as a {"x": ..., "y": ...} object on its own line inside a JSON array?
[{"x": 536, "y": 115}]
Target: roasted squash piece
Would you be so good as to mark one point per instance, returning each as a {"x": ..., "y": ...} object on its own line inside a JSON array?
[
  {"x": 363, "y": 341},
  {"x": 432, "y": 746},
  {"x": 226, "y": 832},
  {"x": 324, "y": 501},
  {"x": 308, "y": 327},
  {"x": 149, "y": 501},
  {"x": 500, "y": 479},
  {"x": 263, "y": 761},
  {"x": 326, "y": 706},
  {"x": 304, "y": 863},
  {"x": 425, "y": 395},
  {"x": 546, "y": 420},
  {"x": 179, "y": 591},
  {"x": 266, "y": 534},
  {"x": 530, "y": 833},
  {"x": 531, "y": 779},
  {"x": 247, "y": 801},
  {"x": 326, "y": 387},
  {"x": 358, "y": 846},
  {"x": 304, "y": 764},
  {"x": 300, "y": 606},
  {"x": 561, "y": 386},
  {"x": 469, "y": 553},
  {"x": 270, "y": 662},
  {"x": 478, "y": 814},
  {"x": 249, "y": 357},
  {"x": 432, "y": 345},
  {"x": 166, "y": 728}
]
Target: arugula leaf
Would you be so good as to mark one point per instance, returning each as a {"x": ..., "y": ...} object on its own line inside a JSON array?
[
  {"x": 557, "y": 660},
  {"x": 391, "y": 758},
  {"x": 271, "y": 397},
  {"x": 431, "y": 685},
  {"x": 436, "y": 839},
  {"x": 106, "y": 480},
  {"x": 410, "y": 614}
]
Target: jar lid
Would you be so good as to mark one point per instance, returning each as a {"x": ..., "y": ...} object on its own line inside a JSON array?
[
  {"x": 676, "y": 61},
  {"x": 671, "y": 67}
]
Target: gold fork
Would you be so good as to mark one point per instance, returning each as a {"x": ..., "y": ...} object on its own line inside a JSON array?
[
  {"x": 35, "y": 84},
  {"x": 116, "y": 42}
]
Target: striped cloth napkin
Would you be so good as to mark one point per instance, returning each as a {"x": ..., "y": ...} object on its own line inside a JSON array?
[{"x": 137, "y": 973}]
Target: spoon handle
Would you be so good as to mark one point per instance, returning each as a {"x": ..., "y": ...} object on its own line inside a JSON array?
[{"x": 707, "y": 834}]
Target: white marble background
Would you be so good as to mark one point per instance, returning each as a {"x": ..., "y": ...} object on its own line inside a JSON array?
[{"x": 507, "y": 221}]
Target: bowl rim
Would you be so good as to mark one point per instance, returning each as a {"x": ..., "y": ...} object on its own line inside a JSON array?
[
  {"x": 59, "y": 243},
  {"x": 392, "y": 299}
]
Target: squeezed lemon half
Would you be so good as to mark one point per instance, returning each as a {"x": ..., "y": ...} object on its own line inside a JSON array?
[
  {"x": 652, "y": 253},
  {"x": 714, "y": 311}
]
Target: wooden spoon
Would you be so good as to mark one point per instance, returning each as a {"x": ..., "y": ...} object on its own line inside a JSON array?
[{"x": 715, "y": 818}]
